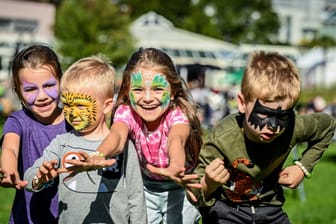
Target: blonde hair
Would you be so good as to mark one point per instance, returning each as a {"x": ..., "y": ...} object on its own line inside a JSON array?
[
  {"x": 271, "y": 76},
  {"x": 91, "y": 72}
]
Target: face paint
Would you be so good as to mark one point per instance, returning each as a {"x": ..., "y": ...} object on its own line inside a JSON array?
[
  {"x": 31, "y": 91},
  {"x": 274, "y": 118},
  {"x": 80, "y": 110},
  {"x": 160, "y": 82},
  {"x": 150, "y": 87},
  {"x": 136, "y": 85}
]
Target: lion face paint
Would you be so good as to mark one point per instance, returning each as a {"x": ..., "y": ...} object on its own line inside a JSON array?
[{"x": 80, "y": 110}]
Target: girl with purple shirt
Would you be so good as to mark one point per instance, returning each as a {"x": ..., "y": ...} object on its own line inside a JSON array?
[{"x": 36, "y": 77}]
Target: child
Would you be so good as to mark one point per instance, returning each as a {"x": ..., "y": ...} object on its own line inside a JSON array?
[
  {"x": 154, "y": 109},
  {"x": 112, "y": 195},
  {"x": 36, "y": 76},
  {"x": 241, "y": 161}
]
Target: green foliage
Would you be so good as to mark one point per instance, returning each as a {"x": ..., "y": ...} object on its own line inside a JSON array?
[
  {"x": 88, "y": 27},
  {"x": 327, "y": 93},
  {"x": 235, "y": 21}
]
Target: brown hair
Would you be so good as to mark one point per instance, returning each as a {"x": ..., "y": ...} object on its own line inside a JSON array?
[
  {"x": 158, "y": 60},
  {"x": 34, "y": 56}
]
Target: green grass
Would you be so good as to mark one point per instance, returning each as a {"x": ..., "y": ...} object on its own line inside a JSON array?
[{"x": 319, "y": 192}]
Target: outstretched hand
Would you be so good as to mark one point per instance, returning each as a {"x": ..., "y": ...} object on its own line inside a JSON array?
[
  {"x": 172, "y": 173},
  {"x": 11, "y": 179},
  {"x": 87, "y": 163},
  {"x": 185, "y": 180}
]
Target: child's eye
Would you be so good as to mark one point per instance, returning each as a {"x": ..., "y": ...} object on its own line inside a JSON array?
[
  {"x": 262, "y": 116},
  {"x": 136, "y": 90},
  {"x": 49, "y": 85},
  {"x": 157, "y": 89},
  {"x": 284, "y": 117},
  {"x": 30, "y": 89},
  {"x": 81, "y": 107}
]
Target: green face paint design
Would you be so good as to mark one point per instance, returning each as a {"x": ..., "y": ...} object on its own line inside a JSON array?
[
  {"x": 144, "y": 86},
  {"x": 136, "y": 85},
  {"x": 80, "y": 110},
  {"x": 160, "y": 82}
]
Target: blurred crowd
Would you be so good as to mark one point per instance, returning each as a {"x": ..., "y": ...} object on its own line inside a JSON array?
[{"x": 215, "y": 104}]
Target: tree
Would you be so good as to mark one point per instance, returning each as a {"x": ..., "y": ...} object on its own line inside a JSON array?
[
  {"x": 88, "y": 27},
  {"x": 238, "y": 21}
]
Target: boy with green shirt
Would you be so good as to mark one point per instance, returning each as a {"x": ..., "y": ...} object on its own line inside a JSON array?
[{"x": 241, "y": 161}]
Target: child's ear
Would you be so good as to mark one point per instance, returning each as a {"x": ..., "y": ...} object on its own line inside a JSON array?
[
  {"x": 108, "y": 105},
  {"x": 241, "y": 103}
]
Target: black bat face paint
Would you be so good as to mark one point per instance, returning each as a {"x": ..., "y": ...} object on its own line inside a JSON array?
[{"x": 273, "y": 118}]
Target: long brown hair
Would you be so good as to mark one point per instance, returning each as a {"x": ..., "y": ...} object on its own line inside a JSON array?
[{"x": 155, "y": 58}]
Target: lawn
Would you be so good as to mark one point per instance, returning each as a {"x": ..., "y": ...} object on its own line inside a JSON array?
[{"x": 314, "y": 203}]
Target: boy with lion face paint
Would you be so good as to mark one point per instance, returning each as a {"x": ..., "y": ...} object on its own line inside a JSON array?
[
  {"x": 110, "y": 195},
  {"x": 241, "y": 161}
]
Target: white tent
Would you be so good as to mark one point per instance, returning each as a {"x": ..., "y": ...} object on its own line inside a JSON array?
[{"x": 153, "y": 30}]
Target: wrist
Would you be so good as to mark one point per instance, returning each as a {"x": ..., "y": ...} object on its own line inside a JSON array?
[
  {"x": 303, "y": 168},
  {"x": 97, "y": 153},
  {"x": 38, "y": 185}
]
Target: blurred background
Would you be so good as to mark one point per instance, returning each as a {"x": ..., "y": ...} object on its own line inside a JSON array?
[{"x": 208, "y": 40}]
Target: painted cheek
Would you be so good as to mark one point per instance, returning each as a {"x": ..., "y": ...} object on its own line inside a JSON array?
[
  {"x": 165, "y": 100},
  {"x": 31, "y": 97},
  {"x": 53, "y": 92},
  {"x": 132, "y": 99}
]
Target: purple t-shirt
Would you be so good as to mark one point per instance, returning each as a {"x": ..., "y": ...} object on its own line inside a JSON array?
[{"x": 28, "y": 207}]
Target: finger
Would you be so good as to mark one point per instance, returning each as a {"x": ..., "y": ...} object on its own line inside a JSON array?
[
  {"x": 192, "y": 196},
  {"x": 85, "y": 155},
  {"x": 21, "y": 184},
  {"x": 194, "y": 185},
  {"x": 155, "y": 170},
  {"x": 72, "y": 174}
]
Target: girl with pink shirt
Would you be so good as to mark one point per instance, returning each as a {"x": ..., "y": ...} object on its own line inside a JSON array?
[{"x": 154, "y": 109}]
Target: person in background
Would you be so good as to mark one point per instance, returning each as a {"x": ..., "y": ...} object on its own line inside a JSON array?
[
  {"x": 241, "y": 161},
  {"x": 111, "y": 195},
  {"x": 36, "y": 74}
]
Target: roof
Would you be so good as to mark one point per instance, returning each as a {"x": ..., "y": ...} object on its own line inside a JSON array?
[{"x": 153, "y": 30}]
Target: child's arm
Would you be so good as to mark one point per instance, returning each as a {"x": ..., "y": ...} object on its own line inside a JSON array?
[
  {"x": 9, "y": 161},
  {"x": 46, "y": 173},
  {"x": 177, "y": 138},
  {"x": 114, "y": 143},
  {"x": 215, "y": 175},
  {"x": 45, "y": 168}
]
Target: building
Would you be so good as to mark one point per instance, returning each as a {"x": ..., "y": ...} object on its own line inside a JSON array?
[
  {"x": 22, "y": 23},
  {"x": 305, "y": 20}
]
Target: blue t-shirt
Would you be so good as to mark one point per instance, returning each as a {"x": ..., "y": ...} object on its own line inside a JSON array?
[{"x": 28, "y": 207}]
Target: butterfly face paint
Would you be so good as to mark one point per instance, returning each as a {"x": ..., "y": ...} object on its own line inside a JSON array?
[
  {"x": 274, "y": 119},
  {"x": 149, "y": 87},
  {"x": 31, "y": 91},
  {"x": 80, "y": 110},
  {"x": 150, "y": 96}
]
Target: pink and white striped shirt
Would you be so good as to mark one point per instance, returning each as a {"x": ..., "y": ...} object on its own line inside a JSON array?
[{"x": 151, "y": 146}]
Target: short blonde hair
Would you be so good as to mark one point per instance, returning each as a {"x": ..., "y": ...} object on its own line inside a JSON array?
[
  {"x": 91, "y": 72},
  {"x": 271, "y": 76}
]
